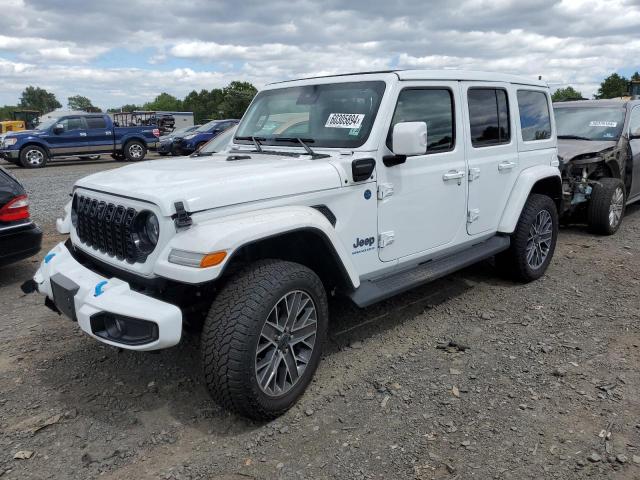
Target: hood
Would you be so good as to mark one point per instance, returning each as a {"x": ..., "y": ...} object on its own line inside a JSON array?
[
  {"x": 204, "y": 183},
  {"x": 568, "y": 149},
  {"x": 25, "y": 133}
]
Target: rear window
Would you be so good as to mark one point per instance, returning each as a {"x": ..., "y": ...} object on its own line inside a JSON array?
[
  {"x": 96, "y": 122},
  {"x": 535, "y": 120},
  {"x": 488, "y": 116}
]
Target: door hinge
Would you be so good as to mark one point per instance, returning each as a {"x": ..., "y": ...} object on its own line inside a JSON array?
[
  {"x": 385, "y": 190},
  {"x": 385, "y": 239},
  {"x": 473, "y": 215},
  {"x": 474, "y": 173}
]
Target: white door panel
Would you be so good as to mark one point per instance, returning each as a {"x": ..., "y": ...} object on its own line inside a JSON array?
[
  {"x": 494, "y": 167},
  {"x": 428, "y": 206}
]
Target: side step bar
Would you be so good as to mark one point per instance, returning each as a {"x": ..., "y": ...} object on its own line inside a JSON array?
[{"x": 372, "y": 291}]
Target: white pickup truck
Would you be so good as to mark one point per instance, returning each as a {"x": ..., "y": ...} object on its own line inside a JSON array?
[{"x": 362, "y": 185}]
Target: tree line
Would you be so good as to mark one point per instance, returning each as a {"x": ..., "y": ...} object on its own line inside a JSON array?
[
  {"x": 227, "y": 102},
  {"x": 613, "y": 86}
]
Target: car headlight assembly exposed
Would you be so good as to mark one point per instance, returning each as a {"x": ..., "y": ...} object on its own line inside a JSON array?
[
  {"x": 146, "y": 231},
  {"x": 8, "y": 141}
]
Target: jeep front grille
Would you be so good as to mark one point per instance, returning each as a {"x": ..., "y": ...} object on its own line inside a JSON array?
[{"x": 106, "y": 227}]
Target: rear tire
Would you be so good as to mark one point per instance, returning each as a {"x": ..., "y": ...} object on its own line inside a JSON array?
[
  {"x": 247, "y": 349},
  {"x": 135, "y": 151},
  {"x": 33, "y": 156},
  {"x": 533, "y": 242},
  {"x": 606, "y": 206}
]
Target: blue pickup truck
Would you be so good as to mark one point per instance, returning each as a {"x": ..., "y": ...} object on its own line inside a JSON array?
[{"x": 78, "y": 135}]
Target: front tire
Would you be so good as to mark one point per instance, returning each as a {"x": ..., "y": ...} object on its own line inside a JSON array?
[
  {"x": 135, "y": 151},
  {"x": 606, "y": 206},
  {"x": 33, "y": 156},
  {"x": 263, "y": 337},
  {"x": 533, "y": 242}
]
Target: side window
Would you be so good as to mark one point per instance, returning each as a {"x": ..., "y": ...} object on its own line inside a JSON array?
[
  {"x": 72, "y": 123},
  {"x": 96, "y": 122},
  {"x": 634, "y": 122},
  {"x": 434, "y": 106},
  {"x": 488, "y": 116},
  {"x": 535, "y": 120}
]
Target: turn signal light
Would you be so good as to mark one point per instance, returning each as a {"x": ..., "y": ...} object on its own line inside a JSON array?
[
  {"x": 212, "y": 259},
  {"x": 16, "y": 209}
]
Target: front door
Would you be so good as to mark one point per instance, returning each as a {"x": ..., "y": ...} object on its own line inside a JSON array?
[
  {"x": 634, "y": 143},
  {"x": 72, "y": 140},
  {"x": 99, "y": 137},
  {"x": 422, "y": 202},
  {"x": 492, "y": 153}
]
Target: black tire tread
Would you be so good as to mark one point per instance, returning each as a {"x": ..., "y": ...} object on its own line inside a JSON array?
[
  {"x": 231, "y": 321},
  {"x": 598, "y": 209}
]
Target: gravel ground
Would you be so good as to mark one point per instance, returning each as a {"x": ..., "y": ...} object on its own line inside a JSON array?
[{"x": 469, "y": 377}]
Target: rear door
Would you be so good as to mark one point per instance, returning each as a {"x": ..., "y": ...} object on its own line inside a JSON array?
[
  {"x": 634, "y": 143},
  {"x": 72, "y": 140},
  {"x": 99, "y": 134},
  {"x": 492, "y": 152}
]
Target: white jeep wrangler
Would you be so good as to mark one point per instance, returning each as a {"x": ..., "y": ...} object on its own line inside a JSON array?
[{"x": 362, "y": 185}]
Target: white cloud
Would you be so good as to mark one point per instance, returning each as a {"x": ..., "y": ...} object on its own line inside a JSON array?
[{"x": 62, "y": 44}]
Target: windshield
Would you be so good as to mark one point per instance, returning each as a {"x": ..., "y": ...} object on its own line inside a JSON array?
[
  {"x": 589, "y": 123},
  {"x": 333, "y": 115},
  {"x": 219, "y": 142},
  {"x": 207, "y": 126},
  {"x": 47, "y": 124}
]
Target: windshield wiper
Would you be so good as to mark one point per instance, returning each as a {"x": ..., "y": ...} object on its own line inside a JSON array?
[
  {"x": 573, "y": 137},
  {"x": 301, "y": 141},
  {"x": 256, "y": 141}
]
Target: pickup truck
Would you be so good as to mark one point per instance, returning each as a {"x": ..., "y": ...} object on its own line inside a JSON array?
[{"x": 81, "y": 134}]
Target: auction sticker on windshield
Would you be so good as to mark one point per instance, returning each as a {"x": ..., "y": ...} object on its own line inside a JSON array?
[
  {"x": 603, "y": 124},
  {"x": 344, "y": 120}
]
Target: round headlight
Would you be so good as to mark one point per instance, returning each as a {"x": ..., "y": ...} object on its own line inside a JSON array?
[
  {"x": 152, "y": 229},
  {"x": 146, "y": 231}
]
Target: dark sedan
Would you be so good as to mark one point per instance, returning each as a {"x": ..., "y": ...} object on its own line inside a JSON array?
[{"x": 19, "y": 237}]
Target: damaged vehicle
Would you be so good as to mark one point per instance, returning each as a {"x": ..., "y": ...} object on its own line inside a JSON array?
[{"x": 599, "y": 152}]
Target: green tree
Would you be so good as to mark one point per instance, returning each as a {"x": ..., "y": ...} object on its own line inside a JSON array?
[
  {"x": 635, "y": 77},
  {"x": 204, "y": 104},
  {"x": 6, "y": 111},
  {"x": 164, "y": 102},
  {"x": 613, "y": 86},
  {"x": 36, "y": 98},
  {"x": 78, "y": 102},
  {"x": 568, "y": 93},
  {"x": 235, "y": 99}
]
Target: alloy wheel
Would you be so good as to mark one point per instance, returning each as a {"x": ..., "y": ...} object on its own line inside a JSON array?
[
  {"x": 286, "y": 343},
  {"x": 616, "y": 207},
  {"x": 135, "y": 151},
  {"x": 539, "y": 239},
  {"x": 34, "y": 157}
]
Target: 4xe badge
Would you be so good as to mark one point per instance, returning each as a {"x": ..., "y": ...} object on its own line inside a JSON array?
[{"x": 362, "y": 245}]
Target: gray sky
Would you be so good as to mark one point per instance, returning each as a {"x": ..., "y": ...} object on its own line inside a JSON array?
[{"x": 119, "y": 51}]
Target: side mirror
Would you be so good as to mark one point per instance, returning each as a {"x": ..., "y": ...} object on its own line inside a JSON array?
[
  {"x": 634, "y": 134},
  {"x": 58, "y": 129},
  {"x": 409, "y": 138}
]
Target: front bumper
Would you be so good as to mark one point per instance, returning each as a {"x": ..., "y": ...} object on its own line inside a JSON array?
[
  {"x": 10, "y": 154},
  {"x": 98, "y": 297}
]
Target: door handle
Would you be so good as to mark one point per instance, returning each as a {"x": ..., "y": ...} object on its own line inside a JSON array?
[
  {"x": 506, "y": 165},
  {"x": 83, "y": 134},
  {"x": 453, "y": 175}
]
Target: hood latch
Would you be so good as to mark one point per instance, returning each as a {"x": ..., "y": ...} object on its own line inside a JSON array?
[{"x": 181, "y": 219}]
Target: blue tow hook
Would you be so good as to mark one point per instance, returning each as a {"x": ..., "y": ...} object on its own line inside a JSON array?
[
  {"x": 48, "y": 257},
  {"x": 99, "y": 286}
]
